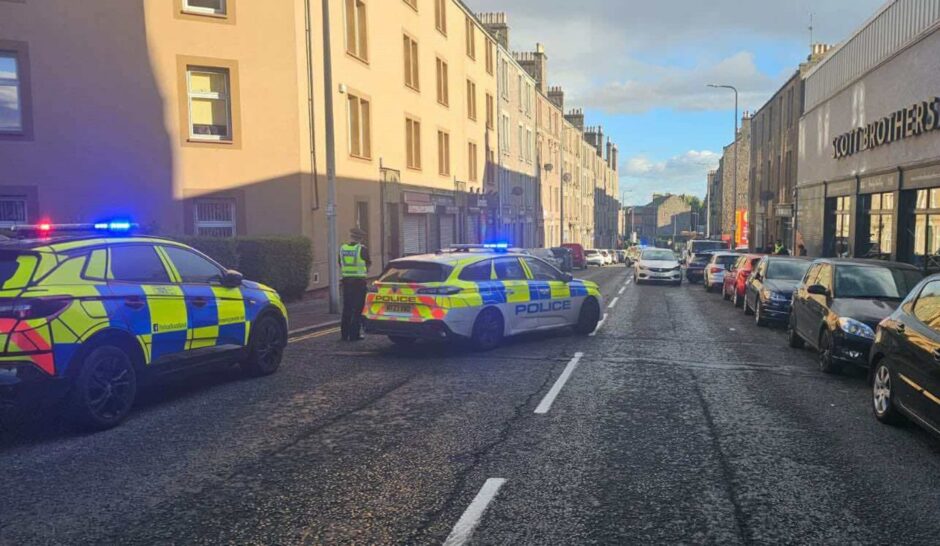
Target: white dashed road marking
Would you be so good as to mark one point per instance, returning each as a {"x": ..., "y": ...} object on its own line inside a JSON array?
[
  {"x": 622, "y": 288},
  {"x": 599, "y": 324},
  {"x": 471, "y": 517},
  {"x": 546, "y": 403},
  {"x": 613, "y": 302}
]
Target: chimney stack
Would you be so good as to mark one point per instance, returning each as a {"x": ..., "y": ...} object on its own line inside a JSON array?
[
  {"x": 536, "y": 64},
  {"x": 497, "y": 24},
  {"x": 576, "y": 118},
  {"x": 557, "y": 96}
]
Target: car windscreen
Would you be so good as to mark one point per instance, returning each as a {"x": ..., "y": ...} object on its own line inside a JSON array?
[
  {"x": 658, "y": 255},
  {"x": 16, "y": 269},
  {"x": 701, "y": 259},
  {"x": 699, "y": 246},
  {"x": 416, "y": 272},
  {"x": 853, "y": 281},
  {"x": 726, "y": 260},
  {"x": 787, "y": 270}
]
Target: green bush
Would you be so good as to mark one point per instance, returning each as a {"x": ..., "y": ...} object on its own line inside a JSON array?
[{"x": 283, "y": 263}]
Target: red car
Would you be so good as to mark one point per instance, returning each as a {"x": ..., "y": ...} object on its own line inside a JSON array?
[
  {"x": 578, "y": 261},
  {"x": 736, "y": 278}
]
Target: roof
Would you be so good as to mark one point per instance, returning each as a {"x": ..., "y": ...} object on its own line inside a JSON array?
[
  {"x": 865, "y": 262},
  {"x": 455, "y": 258}
]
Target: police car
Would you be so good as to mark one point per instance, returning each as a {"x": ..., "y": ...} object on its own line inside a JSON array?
[
  {"x": 477, "y": 292},
  {"x": 97, "y": 314}
]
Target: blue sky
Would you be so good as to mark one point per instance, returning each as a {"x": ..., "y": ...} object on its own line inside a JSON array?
[{"x": 640, "y": 69}]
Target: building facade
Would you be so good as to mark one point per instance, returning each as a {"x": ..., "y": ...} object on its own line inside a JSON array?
[
  {"x": 735, "y": 193},
  {"x": 869, "y": 148}
]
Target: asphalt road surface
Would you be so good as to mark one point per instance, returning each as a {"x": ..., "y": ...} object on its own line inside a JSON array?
[{"x": 679, "y": 421}]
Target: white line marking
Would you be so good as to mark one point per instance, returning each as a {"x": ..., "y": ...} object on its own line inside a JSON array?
[
  {"x": 613, "y": 302},
  {"x": 599, "y": 324},
  {"x": 628, "y": 282},
  {"x": 546, "y": 403},
  {"x": 474, "y": 513},
  {"x": 622, "y": 288},
  {"x": 313, "y": 335}
]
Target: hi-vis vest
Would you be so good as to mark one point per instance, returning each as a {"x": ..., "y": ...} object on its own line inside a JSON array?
[{"x": 351, "y": 261}]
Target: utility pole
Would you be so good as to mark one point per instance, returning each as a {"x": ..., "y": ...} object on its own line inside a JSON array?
[
  {"x": 332, "y": 240},
  {"x": 734, "y": 173}
]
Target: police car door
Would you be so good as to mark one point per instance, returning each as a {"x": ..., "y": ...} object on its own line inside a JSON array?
[
  {"x": 550, "y": 291},
  {"x": 146, "y": 300},
  {"x": 512, "y": 275},
  {"x": 200, "y": 279}
]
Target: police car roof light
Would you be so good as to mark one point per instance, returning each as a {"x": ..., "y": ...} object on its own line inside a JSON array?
[{"x": 45, "y": 228}]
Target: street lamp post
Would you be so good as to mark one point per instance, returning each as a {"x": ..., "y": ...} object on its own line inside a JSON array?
[
  {"x": 734, "y": 174},
  {"x": 332, "y": 238}
]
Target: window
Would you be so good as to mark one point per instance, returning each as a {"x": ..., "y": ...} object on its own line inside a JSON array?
[
  {"x": 489, "y": 57},
  {"x": 509, "y": 269},
  {"x": 411, "y": 62},
  {"x": 927, "y": 308},
  {"x": 210, "y": 112},
  {"x": 192, "y": 267},
  {"x": 11, "y": 107},
  {"x": 214, "y": 217},
  {"x": 413, "y": 143},
  {"x": 205, "y": 7},
  {"x": 471, "y": 38},
  {"x": 842, "y": 210},
  {"x": 825, "y": 277},
  {"x": 362, "y": 216},
  {"x": 879, "y": 217},
  {"x": 490, "y": 111},
  {"x": 482, "y": 271},
  {"x": 504, "y": 134},
  {"x": 443, "y": 153},
  {"x": 530, "y": 146},
  {"x": 520, "y": 92},
  {"x": 359, "y": 125},
  {"x": 927, "y": 228},
  {"x": 541, "y": 271},
  {"x": 472, "y": 162},
  {"x": 521, "y": 142},
  {"x": 504, "y": 78},
  {"x": 357, "y": 42},
  {"x": 440, "y": 16},
  {"x": 137, "y": 263},
  {"x": 443, "y": 89},
  {"x": 12, "y": 210},
  {"x": 471, "y": 100}
]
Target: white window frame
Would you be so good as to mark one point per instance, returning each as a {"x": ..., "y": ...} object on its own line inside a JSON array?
[
  {"x": 19, "y": 200},
  {"x": 17, "y": 84},
  {"x": 199, "y": 224},
  {"x": 222, "y": 11},
  {"x": 504, "y": 133},
  {"x": 521, "y": 142},
  {"x": 225, "y": 95}
]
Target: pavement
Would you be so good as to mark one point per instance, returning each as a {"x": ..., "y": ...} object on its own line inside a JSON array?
[
  {"x": 679, "y": 421},
  {"x": 311, "y": 314}
]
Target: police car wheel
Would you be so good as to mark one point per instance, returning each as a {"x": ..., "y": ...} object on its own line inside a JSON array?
[
  {"x": 588, "y": 317},
  {"x": 266, "y": 349},
  {"x": 104, "y": 390},
  {"x": 487, "y": 330}
]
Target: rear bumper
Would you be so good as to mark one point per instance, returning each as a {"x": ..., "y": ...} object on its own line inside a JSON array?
[
  {"x": 695, "y": 274},
  {"x": 432, "y": 329},
  {"x": 24, "y": 386}
]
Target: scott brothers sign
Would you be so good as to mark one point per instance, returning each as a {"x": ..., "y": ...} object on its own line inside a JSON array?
[{"x": 923, "y": 117}]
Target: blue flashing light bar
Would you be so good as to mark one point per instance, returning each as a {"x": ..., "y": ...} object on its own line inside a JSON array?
[
  {"x": 115, "y": 226},
  {"x": 497, "y": 246}
]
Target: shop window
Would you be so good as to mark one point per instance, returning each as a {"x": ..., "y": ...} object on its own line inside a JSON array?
[
  {"x": 214, "y": 217},
  {"x": 927, "y": 229},
  {"x": 877, "y": 222},
  {"x": 840, "y": 214},
  {"x": 12, "y": 211}
]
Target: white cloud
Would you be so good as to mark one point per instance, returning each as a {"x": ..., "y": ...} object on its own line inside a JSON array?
[{"x": 640, "y": 176}]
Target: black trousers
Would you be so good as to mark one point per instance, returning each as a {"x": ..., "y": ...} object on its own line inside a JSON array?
[{"x": 354, "y": 298}]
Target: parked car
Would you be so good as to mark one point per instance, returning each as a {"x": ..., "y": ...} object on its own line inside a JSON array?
[
  {"x": 578, "y": 260},
  {"x": 769, "y": 290},
  {"x": 840, "y": 302},
  {"x": 657, "y": 265},
  {"x": 736, "y": 277},
  {"x": 564, "y": 257},
  {"x": 695, "y": 266},
  {"x": 715, "y": 270},
  {"x": 593, "y": 257},
  {"x": 544, "y": 254},
  {"x": 905, "y": 359},
  {"x": 608, "y": 259},
  {"x": 696, "y": 246}
]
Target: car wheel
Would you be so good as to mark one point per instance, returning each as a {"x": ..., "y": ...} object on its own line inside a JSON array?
[
  {"x": 402, "y": 341},
  {"x": 826, "y": 363},
  {"x": 737, "y": 300},
  {"x": 588, "y": 317},
  {"x": 104, "y": 390},
  {"x": 758, "y": 316},
  {"x": 793, "y": 338},
  {"x": 747, "y": 307},
  {"x": 266, "y": 347},
  {"x": 883, "y": 394},
  {"x": 487, "y": 330}
]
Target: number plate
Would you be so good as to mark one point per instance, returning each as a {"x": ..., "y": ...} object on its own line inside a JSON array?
[{"x": 401, "y": 308}]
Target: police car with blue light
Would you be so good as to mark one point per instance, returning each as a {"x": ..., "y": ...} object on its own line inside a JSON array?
[
  {"x": 480, "y": 293},
  {"x": 90, "y": 311}
]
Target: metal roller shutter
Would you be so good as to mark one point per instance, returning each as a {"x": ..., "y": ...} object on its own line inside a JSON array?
[
  {"x": 415, "y": 234},
  {"x": 447, "y": 230},
  {"x": 473, "y": 229}
]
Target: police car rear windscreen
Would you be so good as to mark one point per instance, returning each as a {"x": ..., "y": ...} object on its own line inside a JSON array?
[{"x": 416, "y": 272}]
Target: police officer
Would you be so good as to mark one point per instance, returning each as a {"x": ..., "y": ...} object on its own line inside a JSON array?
[
  {"x": 354, "y": 265},
  {"x": 781, "y": 249}
]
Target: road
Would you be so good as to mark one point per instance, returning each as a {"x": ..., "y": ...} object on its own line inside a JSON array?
[{"x": 680, "y": 422}]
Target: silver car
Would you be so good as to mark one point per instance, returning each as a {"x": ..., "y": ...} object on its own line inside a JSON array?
[{"x": 714, "y": 276}]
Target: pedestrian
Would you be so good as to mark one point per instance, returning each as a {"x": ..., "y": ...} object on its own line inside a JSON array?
[
  {"x": 354, "y": 265},
  {"x": 801, "y": 250},
  {"x": 781, "y": 249}
]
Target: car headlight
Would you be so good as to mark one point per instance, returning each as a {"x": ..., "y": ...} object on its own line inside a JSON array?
[
  {"x": 769, "y": 294},
  {"x": 856, "y": 328}
]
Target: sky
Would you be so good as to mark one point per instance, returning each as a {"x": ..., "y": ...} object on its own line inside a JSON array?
[{"x": 641, "y": 69}]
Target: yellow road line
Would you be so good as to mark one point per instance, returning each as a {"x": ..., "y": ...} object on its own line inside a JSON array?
[{"x": 314, "y": 335}]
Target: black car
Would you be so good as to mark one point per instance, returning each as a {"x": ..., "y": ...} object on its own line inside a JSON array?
[
  {"x": 768, "y": 292},
  {"x": 840, "y": 303},
  {"x": 905, "y": 360},
  {"x": 695, "y": 267},
  {"x": 563, "y": 255}
]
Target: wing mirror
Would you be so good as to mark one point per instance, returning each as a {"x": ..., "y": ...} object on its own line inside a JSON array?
[
  {"x": 568, "y": 277},
  {"x": 818, "y": 290},
  {"x": 232, "y": 279}
]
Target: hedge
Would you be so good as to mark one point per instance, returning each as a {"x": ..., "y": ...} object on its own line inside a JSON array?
[{"x": 283, "y": 263}]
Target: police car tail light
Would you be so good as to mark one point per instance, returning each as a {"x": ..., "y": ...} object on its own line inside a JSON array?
[
  {"x": 439, "y": 291},
  {"x": 373, "y": 288},
  {"x": 32, "y": 308}
]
